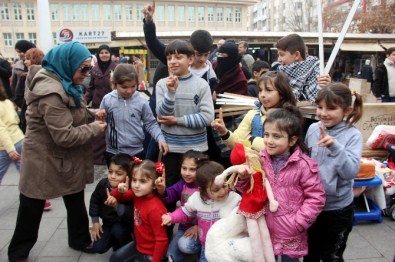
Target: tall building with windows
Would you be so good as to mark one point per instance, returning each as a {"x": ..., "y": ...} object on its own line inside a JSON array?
[
  {"x": 18, "y": 19},
  {"x": 284, "y": 15}
]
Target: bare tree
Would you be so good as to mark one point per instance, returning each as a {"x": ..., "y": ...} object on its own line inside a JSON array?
[
  {"x": 298, "y": 16},
  {"x": 377, "y": 19}
]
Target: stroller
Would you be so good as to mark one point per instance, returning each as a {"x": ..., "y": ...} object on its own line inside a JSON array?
[{"x": 389, "y": 182}]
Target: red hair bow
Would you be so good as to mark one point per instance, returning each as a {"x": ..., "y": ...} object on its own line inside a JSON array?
[
  {"x": 137, "y": 160},
  {"x": 160, "y": 167}
]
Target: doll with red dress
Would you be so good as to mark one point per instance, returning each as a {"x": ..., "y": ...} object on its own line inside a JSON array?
[{"x": 252, "y": 206}]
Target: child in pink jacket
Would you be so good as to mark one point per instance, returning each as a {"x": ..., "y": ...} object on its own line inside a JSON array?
[{"x": 295, "y": 181}]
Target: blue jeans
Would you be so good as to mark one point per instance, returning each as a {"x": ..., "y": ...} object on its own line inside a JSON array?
[
  {"x": 187, "y": 246},
  {"x": 203, "y": 255},
  {"x": 285, "y": 258},
  {"x": 129, "y": 253},
  {"x": 115, "y": 236},
  {"x": 5, "y": 160},
  {"x": 387, "y": 99}
]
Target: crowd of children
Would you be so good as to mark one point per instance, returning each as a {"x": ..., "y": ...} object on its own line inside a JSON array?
[{"x": 310, "y": 176}]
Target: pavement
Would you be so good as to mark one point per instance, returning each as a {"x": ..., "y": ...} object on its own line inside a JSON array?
[{"x": 368, "y": 241}]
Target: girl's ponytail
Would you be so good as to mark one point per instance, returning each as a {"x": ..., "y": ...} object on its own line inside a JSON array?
[{"x": 357, "y": 109}]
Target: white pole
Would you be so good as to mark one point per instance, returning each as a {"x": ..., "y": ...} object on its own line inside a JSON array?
[
  {"x": 320, "y": 37},
  {"x": 341, "y": 36},
  {"x": 44, "y": 23}
]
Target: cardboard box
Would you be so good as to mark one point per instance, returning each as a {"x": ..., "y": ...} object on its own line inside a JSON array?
[
  {"x": 375, "y": 114},
  {"x": 361, "y": 86}
]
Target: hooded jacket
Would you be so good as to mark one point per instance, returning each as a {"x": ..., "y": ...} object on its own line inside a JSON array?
[
  {"x": 298, "y": 189},
  {"x": 57, "y": 151}
]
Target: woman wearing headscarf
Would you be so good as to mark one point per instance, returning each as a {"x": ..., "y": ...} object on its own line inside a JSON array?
[
  {"x": 100, "y": 83},
  {"x": 99, "y": 86},
  {"x": 57, "y": 152},
  {"x": 228, "y": 70},
  {"x": 19, "y": 69}
]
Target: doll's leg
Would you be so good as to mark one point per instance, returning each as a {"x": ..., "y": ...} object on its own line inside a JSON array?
[
  {"x": 255, "y": 240},
  {"x": 265, "y": 239},
  {"x": 273, "y": 204}
]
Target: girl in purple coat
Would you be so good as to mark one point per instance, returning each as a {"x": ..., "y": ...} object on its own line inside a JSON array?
[
  {"x": 295, "y": 181},
  {"x": 185, "y": 241}
]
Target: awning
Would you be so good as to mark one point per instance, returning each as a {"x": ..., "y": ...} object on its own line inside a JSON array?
[
  {"x": 363, "y": 47},
  {"x": 388, "y": 45}
]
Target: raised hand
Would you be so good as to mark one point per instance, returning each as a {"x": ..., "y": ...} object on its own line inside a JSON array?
[
  {"x": 218, "y": 124},
  {"x": 160, "y": 183},
  {"x": 148, "y": 12},
  {"x": 323, "y": 80},
  {"x": 110, "y": 201},
  {"x": 166, "y": 220},
  {"x": 325, "y": 139},
  {"x": 123, "y": 187},
  {"x": 172, "y": 82}
]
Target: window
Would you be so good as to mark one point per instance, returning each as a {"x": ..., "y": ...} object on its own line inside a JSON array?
[
  {"x": 181, "y": 13},
  {"x": 7, "y": 39},
  {"x": 17, "y": 12},
  {"x": 107, "y": 12},
  {"x": 76, "y": 15},
  {"x": 54, "y": 38},
  {"x": 95, "y": 12},
  {"x": 237, "y": 15},
  {"x": 191, "y": 13},
  {"x": 84, "y": 12},
  {"x": 210, "y": 14},
  {"x": 33, "y": 38},
  {"x": 118, "y": 12},
  {"x": 129, "y": 12},
  {"x": 4, "y": 12},
  {"x": 220, "y": 14},
  {"x": 170, "y": 13},
  {"x": 54, "y": 12},
  {"x": 298, "y": 5},
  {"x": 229, "y": 14},
  {"x": 66, "y": 12},
  {"x": 139, "y": 10},
  {"x": 30, "y": 11},
  {"x": 19, "y": 36},
  {"x": 160, "y": 13},
  {"x": 201, "y": 14}
]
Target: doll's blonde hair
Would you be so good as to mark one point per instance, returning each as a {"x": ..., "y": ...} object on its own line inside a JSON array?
[{"x": 254, "y": 162}]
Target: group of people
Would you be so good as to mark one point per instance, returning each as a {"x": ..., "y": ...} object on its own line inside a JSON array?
[{"x": 311, "y": 173}]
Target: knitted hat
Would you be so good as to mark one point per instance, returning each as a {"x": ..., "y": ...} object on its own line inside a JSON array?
[
  {"x": 24, "y": 45},
  {"x": 238, "y": 155}
]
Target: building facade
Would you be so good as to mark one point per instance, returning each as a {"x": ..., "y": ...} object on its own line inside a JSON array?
[{"x": 18, "y": 19}]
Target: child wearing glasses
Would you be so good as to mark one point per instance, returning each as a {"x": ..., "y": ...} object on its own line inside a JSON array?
[{"x": 127, "y": 114}]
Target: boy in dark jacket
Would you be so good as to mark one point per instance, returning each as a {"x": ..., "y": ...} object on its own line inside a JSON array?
[{"x": 116, "y": 228}]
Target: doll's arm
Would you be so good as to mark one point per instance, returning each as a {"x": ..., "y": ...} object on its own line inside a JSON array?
[
  {"x": 273, "y": 204},
  {"x": 220, "y": 179}
]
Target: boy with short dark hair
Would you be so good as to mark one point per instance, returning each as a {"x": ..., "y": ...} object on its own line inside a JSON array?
[
  {"x": 259, "y": 67},
  {"x": 184, "y": 108},
  {"x": 302, "y": 71},
  {"x": 384, "y": 83}
]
